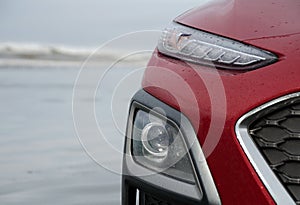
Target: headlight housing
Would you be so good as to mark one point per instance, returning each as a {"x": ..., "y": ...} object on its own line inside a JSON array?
[
  {"x": 179, "y": 169},
  {"x": 158, "y": 144},
  {"x": 201, "y": 47}
]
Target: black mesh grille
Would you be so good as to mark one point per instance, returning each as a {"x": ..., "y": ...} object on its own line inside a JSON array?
[
  {"x": 153, "y": 200},
  {"x": 277, "y": 134}
]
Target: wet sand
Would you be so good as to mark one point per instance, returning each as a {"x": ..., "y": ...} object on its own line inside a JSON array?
[{"x": 42, "y": 161}]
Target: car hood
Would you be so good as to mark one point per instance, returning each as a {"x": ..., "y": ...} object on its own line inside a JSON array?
[{"x": 245, "y": 20}]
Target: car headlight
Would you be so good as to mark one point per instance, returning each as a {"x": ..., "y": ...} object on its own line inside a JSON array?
[
  {"x": 201, "y": 47},
  {"x": 158, "y": 144}
]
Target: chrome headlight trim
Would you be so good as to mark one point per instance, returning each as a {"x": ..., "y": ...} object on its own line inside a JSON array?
[{"x": 265, "y": 173}]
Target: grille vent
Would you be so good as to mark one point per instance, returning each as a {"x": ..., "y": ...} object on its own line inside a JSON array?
[{"x": 276, "y": 132}]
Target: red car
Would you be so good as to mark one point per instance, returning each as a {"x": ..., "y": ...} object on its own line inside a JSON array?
[{"x": 218, "y": 118}]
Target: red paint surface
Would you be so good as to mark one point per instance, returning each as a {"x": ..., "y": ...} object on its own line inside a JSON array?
[
  {"x": 165, "y": 78},
  {"x": 244, "y": 19}
]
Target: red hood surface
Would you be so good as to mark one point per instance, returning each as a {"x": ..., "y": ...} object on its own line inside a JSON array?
[{"x": 245, "y": 19}]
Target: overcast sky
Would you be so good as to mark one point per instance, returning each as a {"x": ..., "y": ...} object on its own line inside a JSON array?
[{"x": 83, "y": 22}]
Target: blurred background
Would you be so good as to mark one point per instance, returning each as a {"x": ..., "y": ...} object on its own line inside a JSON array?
[{"x": 43, "y": 45}]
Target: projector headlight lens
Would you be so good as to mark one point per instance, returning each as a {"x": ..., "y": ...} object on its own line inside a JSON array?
[
  {"x": 158, "y": 144},
  {"x": 200, "y": 47},
  {"x": 155, "y": 139}
]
